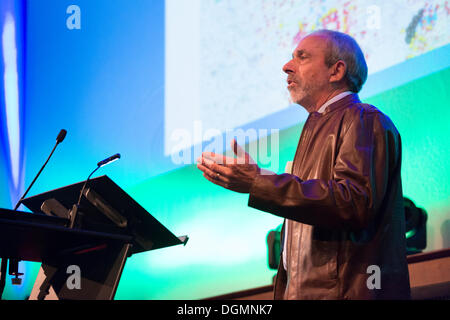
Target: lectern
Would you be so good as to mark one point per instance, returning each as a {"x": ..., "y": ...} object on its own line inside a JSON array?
[{"x": 83, "y": 249}]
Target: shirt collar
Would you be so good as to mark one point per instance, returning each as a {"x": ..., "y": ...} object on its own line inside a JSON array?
[{"x": 334, "y": 99}]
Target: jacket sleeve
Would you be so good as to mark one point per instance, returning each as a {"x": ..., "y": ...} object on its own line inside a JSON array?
[{"x": 368, "y": 154}]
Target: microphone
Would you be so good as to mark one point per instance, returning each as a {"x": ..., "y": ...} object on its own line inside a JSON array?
[
  {"x": 108, "y": 160},
  {"x": 100, "y": 164},
  {"x": 61, "y": 136},
  {"x": 59, "y": 139}
]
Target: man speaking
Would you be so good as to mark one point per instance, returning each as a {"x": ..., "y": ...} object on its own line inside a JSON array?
[{"x": 343, "y": 201}]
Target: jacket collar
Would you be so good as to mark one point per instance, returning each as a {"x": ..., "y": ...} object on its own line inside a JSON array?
[
  {"x": 342, "y": 103},
  {"x": 332, "y": 100}
]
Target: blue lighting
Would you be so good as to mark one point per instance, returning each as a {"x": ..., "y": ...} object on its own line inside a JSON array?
[{"x": 11, "y": 85}]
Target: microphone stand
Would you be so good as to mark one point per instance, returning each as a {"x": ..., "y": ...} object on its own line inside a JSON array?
[
  {"x": 75, "y": 207},
  {"x": 35, "y": 178},
  {"x": 14, "y": 263},
  {"x": 74, "y": 211}
]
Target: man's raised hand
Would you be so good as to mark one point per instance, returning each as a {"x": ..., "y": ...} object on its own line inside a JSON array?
[{"x": 236, "y": 174}]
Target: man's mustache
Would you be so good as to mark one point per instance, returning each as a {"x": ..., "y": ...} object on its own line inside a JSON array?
[{"x": 289, "y": 80}]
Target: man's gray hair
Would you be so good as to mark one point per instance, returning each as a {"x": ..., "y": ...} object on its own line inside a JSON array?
[{"x": 343, "y": 47}]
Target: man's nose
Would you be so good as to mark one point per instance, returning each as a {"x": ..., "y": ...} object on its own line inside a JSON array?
[{"x": 287, "y": 68}]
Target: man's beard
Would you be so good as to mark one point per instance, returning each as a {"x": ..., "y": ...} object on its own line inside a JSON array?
[{"x": 301, "y": 93}]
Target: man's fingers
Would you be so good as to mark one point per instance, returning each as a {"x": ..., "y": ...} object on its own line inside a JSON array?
[
  {"x": 215, "y": 172},
  {"x": 204, "y": 160},
  {"x": 218, "y": 158},
  {"x": 206, "y": 170},
  {"x": 216, "y": 181},
  {"x": 242, "y": 156}
]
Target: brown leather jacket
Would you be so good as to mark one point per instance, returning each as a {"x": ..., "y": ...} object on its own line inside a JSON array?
[{"x": 344, "y": 207}]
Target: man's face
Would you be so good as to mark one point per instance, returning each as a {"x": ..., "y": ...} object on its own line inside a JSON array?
[{"x": 308, "y": 75}]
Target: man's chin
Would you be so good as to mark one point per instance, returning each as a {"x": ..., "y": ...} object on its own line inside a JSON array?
[
  {"x": 301, "y": 100},
  {"x": 298, "y": 99},
  {"x": 297, "y": 95}
]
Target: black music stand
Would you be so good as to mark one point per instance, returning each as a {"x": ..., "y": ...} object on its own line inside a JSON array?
[{"x": 109, "y": 226}]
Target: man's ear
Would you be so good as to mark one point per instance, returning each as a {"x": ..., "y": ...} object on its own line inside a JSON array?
[{"x": 338, "y": 71}]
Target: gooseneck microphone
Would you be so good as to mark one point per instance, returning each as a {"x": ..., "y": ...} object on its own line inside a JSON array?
[
  {"x": 108, "y": 160},
  {"x": 100, "y": 164},
  {"x": 59, "y": 139}
]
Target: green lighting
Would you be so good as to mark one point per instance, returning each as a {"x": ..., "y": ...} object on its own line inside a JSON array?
[
  {"x": 410, "y": 233},
  {"x": 227, "y": 249}
]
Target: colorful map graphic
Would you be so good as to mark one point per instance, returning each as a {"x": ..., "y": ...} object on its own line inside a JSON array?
[{"x": 245, "y": 43}]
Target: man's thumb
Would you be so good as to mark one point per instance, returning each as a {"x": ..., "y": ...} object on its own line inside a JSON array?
[{"x": 240, "y": 153}]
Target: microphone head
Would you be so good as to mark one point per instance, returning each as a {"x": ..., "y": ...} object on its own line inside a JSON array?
[
  {"x": 109, "y": 160},
  {"x": 114, "y": 157},
  {"x": 61, "y": 136}
]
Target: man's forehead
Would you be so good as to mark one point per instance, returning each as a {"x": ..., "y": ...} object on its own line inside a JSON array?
[{"x": 312, "y": 43}]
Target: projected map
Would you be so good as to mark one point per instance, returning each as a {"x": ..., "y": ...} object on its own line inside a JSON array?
[{"x": 242, "y": 46}]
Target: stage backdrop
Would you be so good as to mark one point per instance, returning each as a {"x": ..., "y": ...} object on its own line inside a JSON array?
[{"x": 160, "y": 81}]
